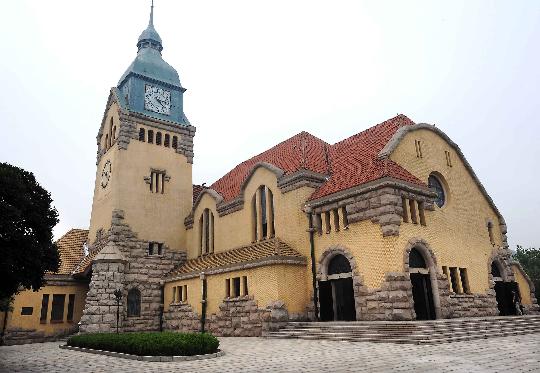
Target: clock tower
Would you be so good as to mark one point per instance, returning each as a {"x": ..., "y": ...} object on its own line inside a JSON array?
[
  {"x": 143, "y": 192},
  {"x": 145, "y": 151}
]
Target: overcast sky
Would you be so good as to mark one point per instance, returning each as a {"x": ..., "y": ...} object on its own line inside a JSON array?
[{"x": 258, "y": 72}]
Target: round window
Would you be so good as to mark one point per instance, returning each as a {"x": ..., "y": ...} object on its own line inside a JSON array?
[{"x": 435, "y": 184}]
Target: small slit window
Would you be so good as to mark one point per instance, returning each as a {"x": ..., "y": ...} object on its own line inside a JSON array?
[{"x": 418, "y": 147}]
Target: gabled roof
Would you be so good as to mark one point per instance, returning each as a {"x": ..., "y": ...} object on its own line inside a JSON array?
[
  {"x": 303, "y": 151},
  {"x": 354, "y": 161},
  {"x": 70, "y": 246},
  {"x": 348, "y": 163}
]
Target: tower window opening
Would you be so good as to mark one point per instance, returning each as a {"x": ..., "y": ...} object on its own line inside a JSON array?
[
  {"x": 175, "y": 142},
  {"x": 158, "y": 138},
  {"x": 150, "y": 136},
  {"x": 142, "y": 134},
  {"x": 167, "y": 141}
]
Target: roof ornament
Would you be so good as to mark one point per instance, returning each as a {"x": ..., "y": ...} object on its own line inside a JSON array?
[{"x": 151, "y": 23}]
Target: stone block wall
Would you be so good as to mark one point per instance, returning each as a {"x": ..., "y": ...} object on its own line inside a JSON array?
[
  {"x": 18, "y": 336},
  {"x": 239, "y": 317},
  {"x": 137, "y": 270}
]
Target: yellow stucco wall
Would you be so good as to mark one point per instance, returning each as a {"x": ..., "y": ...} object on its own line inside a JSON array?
[
  {"x": 154, "y": 216},
  {"x": 457, "y": 232},
  {"x": 29, "y": 298},
  {"x": 524, "y": 288},
  {"x": 265, "y": 284},
  {"x": 235, "y": 229}
]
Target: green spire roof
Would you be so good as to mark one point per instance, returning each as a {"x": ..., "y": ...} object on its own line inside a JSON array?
[{"x": 149, "y": 62}]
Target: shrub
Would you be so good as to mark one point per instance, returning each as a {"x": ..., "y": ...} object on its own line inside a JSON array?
[{"x": 149, "y": 343}]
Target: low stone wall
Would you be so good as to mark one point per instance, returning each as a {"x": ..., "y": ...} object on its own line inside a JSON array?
[
  {"x": 239, "y": 317},
  {"x": 473, "y": 305},
  {"x": 393, "y": 301},
  {"x": 18, "y": 336}
]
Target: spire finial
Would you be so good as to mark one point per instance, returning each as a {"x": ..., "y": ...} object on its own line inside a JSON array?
[{"x": 152, "y": 14}]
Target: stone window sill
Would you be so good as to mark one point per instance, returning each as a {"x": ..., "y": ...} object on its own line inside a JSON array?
[
  {"x": 463, "y": 295},
  {"x": 236, "y": 299},
  {"x": 178, "y": 303}
]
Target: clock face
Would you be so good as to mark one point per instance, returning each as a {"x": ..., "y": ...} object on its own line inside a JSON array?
[
  {"x": 106, "y": 174},
  {"x": 157, "y": 99}
]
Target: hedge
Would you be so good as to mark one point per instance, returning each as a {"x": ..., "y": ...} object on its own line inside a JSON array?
[{"x": 149, "y": 343}]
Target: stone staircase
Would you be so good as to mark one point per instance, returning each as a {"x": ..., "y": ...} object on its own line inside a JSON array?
[{"x": 415, "y": 332}]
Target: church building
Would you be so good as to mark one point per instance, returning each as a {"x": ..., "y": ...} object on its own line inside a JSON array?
[{"x": 391, "y": 223}]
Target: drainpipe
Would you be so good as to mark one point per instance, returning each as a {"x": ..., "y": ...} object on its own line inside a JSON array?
[
  {"x": 161, "y": 306},
  {"x": 203, "y": 302},
  {"x": 311, "y": 231}
]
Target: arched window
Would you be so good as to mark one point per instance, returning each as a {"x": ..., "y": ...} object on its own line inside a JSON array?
[
  {"x": 106, "y": 142},
  {"x": 158, "y": 138},
  {"x": 150, "y": 136},
  {"x": 262, "y": 206},
  {"x": 339, "y": 264},
  {"x": 114, "y": 132},
  {"x": 206, "y": 232},
  {"x": 167, "y": 141},
  {"x": 175, "y": 142},
  {"x": 436, "y": 185},
  {"x": 142, "y": 134},
  {"x": 416, "y": 259},
  {"x": 134, "y": 303}
]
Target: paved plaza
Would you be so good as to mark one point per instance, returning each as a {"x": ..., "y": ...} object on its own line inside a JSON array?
[{"x": 504, "y": 354}]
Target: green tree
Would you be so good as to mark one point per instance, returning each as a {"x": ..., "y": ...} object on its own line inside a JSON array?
[
  {"x": 27, "y": 249},
  {"x": 530, "y": 261}
]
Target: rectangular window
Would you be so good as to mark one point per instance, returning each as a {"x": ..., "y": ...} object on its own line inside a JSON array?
[
  {"x": 175, "y": 142},
  {"x": 167, "y": 141},
  {"x": 180, "y": 294},
  {"x": 454, "y": 279},
  {"x": 236, "y": 286},
  {"x": 244, "y": 280},
  {"x": 228, "y": 288},
  {"x": 27, "y": 311},
  {"x": 57, "y": 309},
  {"x": 150, "y": 248},
  {"x": 71, "y": 305},
  {"x": 327, "y": 222},
  {"x": 412, "y": 207},
  {"x": 150, "y": 136},
  {"x": 44, "y": 308},
  {"x": 173, "y": 299},
  {"x": 464, "y": 280},
  {"x": 158, "y": 138},
  {"x": 405, "y": 210},
  {"x": 345, "y": 217},
  {"x": 318, "y": 223},
  {"x": 418, "y": 146},
  {"x": 184, "y": 294},
  {"x": 422, "y": 214},
  {"x": 336, "y": 219}
]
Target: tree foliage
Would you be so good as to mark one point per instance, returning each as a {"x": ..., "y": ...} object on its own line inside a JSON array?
[
  {"x": 530, "y": 261},
  {"x": 27, "y": 249}
]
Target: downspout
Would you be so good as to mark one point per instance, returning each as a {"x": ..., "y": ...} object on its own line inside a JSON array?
[
  {"x": 311, "y": 231},
  {"x": 203, "y": 302},
  {"x": 161, "y": 306}
]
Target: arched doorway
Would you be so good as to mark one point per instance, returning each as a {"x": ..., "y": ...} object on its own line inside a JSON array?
[
  {"x": 506, "y": 292},
  {"x": 421, "y": 286},
  {"x": 336, "y": 293}
]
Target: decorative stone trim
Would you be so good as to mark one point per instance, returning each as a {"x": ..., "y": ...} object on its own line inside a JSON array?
[
  {"x": 271, "y": 260},
  {"x": 144, "y": 358},
  {"x": 403, "y": 131},
  {"x": 300, "y": 179}
]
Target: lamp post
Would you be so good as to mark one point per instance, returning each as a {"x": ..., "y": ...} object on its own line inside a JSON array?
[{"x": 118, "y": 296}]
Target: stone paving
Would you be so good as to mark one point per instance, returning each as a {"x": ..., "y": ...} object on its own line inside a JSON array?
[{"x": 503, "y": 354}]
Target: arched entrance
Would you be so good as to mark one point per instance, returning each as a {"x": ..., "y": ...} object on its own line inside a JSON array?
[
  {"x": 506, "y": 292},
  {"x": 336, "y": 293},
  {"x": 421, "y": 286}
]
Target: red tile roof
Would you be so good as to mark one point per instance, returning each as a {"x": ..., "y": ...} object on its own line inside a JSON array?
[
  {"x": 349, "y": 163},
  {"x": 354, "y": 160},
  {"x": 197, "y": 189},
  {"x": 301, "y": 151}
]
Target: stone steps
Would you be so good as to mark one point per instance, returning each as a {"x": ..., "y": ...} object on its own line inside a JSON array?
[{"x": 417, "y": 332}]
